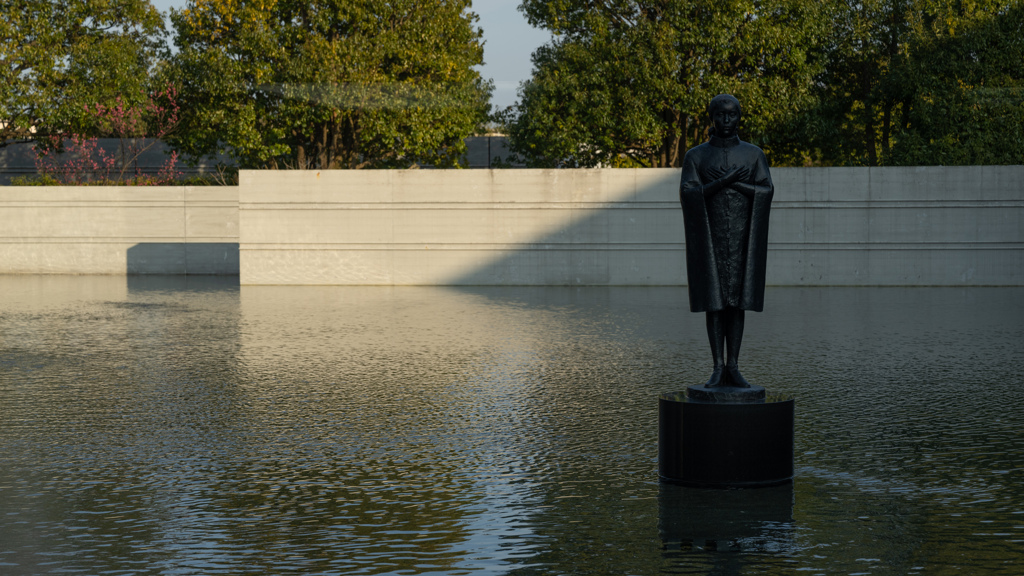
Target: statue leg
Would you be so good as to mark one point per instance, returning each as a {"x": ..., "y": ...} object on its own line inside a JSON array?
[
  {"x": 716, "y": 336},
  {"x": 734, "y": 318}
]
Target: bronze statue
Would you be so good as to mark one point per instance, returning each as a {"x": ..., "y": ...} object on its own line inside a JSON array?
[{"x": 726, "y": 192}]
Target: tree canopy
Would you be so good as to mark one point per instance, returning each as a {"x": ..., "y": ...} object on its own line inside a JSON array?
[
  {"x": 628, "y": 81},
  {"x": 962, "y": 96},
  {"x": 834, "y": 82},
  {"x": 59, "y": 56},
  {"x": 920, "y": 82},
  {"x": 328, "y": 83},
  {"x": 391, "y": 83}
]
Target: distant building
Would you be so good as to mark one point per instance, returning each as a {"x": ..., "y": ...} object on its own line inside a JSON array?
[{"x": 488, "y": 151}]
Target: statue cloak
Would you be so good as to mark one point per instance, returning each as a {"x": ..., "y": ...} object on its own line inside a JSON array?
[{"x": 704, "y": 271}]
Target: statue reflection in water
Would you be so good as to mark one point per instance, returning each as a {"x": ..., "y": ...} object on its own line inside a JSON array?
[
  {"x": 698, "y": 520},
  {"x": 725, "y": 193}
]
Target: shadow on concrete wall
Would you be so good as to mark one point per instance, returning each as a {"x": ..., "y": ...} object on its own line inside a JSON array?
[
  {"x": 602, "y": 245},
  {"x": 208, "y": 258},
  {"x": 829, "y": 227}
]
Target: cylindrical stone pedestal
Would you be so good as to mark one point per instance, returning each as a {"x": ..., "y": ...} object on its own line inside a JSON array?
[{"x": 743, "y": 442}]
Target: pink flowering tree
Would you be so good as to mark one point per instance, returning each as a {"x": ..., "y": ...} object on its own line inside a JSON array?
[{"x": 76, "y": 159}]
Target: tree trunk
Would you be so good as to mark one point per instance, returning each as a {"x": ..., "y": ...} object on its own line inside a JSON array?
[
  {"x": 350, "y": 141},
  {"x": 886, "y": 125},
  {"x": 684, "y": 137},
  {"x": 674, "y": 133},
  {"x": 660, "y": 158},
  {"x": 335, "y": 132},
  {"x": 322, "y": 145},
  {"x": 869, "y": 137},
  {"x": 869, "y": 115}
]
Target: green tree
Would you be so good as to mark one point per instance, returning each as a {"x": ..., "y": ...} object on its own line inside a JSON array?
[
  {"x": 59, "y": 56},
  {"x": 328, "y": 83},
  {"x": 627, "y": 82},
  {"x": 963, "y": 93},
  {"x": 920, "y": 82}
]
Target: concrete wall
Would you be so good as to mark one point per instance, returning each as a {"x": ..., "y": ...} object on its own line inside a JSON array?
[
  {"x": 830, "y": 226},
  {"x": 939, "y": 226},
  {"x": 483, "y": 227},
  {"x": 119, "y": 230}
]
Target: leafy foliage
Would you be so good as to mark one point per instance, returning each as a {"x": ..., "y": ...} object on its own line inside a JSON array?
[
  {"x": 627, "y": 82},
  {"x": 920, "y": 82},
  {"x": 59, "y": 56},
  {"x": 328, "y": 83},
  {"x": 838, "y": 82},
  {"x": 963, "y": 93}
]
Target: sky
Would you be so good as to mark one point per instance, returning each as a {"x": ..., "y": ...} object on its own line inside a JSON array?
[{"x": 508, "y": 43}]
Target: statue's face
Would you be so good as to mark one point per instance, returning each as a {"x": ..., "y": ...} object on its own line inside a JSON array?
[{"x": 726, "y": 118}]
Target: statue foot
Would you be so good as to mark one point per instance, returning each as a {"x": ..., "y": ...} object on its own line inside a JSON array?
[
  {"x": 717, "y": 377},
  {"x": 737, "y": 379}
]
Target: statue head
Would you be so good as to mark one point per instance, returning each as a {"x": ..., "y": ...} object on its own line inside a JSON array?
[{"x": 725, "y": 113}]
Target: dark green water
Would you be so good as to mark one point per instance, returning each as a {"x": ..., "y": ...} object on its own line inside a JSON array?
[{"x": 173, "y": 426}]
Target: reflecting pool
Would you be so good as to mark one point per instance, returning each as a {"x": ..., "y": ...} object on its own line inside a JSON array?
[{"x": 189, "y": 426}]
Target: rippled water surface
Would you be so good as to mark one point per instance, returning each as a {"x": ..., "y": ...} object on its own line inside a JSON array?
[{"x": 189, "y": 426}]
